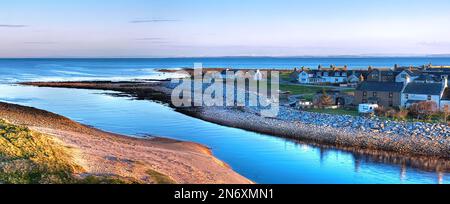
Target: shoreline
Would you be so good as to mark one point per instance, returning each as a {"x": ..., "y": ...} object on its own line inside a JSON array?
[
  {"x": 370, "y": 143},
  {"x": 102, "y": 153}
]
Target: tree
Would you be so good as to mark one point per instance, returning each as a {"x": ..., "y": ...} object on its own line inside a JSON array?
[
  {"x": 325, "y": 100},
  {"x": 424, "y": 109}
]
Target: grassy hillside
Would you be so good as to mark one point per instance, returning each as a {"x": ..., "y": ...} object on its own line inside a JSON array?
[{"x": 29, "y": 157}]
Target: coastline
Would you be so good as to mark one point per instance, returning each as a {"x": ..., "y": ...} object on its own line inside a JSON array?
[
  {"x": 99, "y": 153},
  {"x": 356, "y": 140}
]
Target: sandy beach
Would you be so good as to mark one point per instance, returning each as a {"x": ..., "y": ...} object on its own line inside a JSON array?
[{"x": 102, "y": 153}]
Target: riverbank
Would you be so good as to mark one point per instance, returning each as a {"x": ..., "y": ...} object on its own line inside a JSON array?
[
  {"x": 371, "y": 136},
  {"x": 94, "y": 156}
]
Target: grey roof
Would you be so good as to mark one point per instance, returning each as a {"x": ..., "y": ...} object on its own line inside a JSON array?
[
  {"x": 413, "y": 72},
  {"x": 423, "y": 88},
  {"x": 428, "y": 78},
  {"x": 380, "y": 86}
]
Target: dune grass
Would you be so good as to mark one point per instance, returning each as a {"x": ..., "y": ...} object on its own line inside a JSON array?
[
  {"x": 29, "y": 157},
  {"x": 160, "y": 178}
]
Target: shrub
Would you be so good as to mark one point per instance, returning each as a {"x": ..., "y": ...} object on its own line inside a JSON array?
[
  {"x": 380, "y": 111},
  {"x": 446, "y": 113},
  {"x": 402, "y": 114},
  {"x": 424, "y": 109},
  {"x": 391, "y": 113}
]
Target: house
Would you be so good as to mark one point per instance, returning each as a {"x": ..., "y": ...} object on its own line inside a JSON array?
[
  {"x": 426, "y": 90},
  {"x": 258, "y": 76},
  {"x": 332, "y": 76},
  {"x": 294, "y": 75},
  {"x": 387, "y": 94},
  {"x": 382, "y": 75},
  {"x": 304, "y": 76},
  {"x": 354, "y": 78},
  {"x": 326, "y": 76},
  {"x": 407, "y": 76}
]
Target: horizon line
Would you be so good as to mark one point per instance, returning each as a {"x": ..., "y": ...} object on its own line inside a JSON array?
[{"x": 234, "y": 56}]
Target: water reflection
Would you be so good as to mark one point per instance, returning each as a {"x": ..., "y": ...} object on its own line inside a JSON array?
[{"x": 404, "y": 162}]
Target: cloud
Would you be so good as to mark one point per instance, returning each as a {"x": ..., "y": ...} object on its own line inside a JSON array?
[
  {"x": 39, "y": 43},
  {"x": 434, "y": 44},
  {"x": 154, "y": 21},
  {"x": 153, "y": 40},
  {"x": 12, "y": 26},
  {"x": 149, "y": 39}
]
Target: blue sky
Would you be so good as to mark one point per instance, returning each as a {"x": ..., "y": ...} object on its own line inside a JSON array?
[{"x": 172, "y": 28}]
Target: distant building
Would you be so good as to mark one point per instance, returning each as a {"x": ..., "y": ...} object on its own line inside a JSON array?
[
  {"x": 407, "y": 76},
  {"x": 327, "y": 76},
  {"x": 382, "y": 75}
]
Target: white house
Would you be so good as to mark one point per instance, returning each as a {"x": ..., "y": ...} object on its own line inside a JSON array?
[
  {"x": 354, "y": 78},
  {"x": 305, "y": 76},
  {"x": 407, "y": 76},
  {"x": 333, "y": 77},
  {"x": 258, "y": 76},
  {"x": 415, "y": 92}
]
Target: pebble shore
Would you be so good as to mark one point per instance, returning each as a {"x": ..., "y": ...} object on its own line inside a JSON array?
[{"x": 339, "y": 130}]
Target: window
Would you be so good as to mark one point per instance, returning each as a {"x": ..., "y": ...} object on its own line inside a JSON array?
[
  {"x": 429, "y": 98},
  {"x": 375, "y": 94},
  {"x": 391, "y": 95},
  {"x": 403, "y": 76},
  {"x": 391, "y": 103}
]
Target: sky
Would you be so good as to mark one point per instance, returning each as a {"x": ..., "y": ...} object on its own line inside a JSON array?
[{"x": 198, "y": 28}]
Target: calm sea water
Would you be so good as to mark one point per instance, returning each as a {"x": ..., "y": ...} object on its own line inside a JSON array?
[
  {"x": 82, "y": 69},
  {"x": 262, "y": 158}
]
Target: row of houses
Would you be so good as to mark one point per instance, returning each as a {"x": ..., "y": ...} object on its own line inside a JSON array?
[
  {"x": 402, "y": 89},
  {"x": 327, "y": 76},
  {"x": 397, "y": 87}
]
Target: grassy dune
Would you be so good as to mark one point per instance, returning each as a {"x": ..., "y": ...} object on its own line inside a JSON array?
[{"x": 29, "y": 157}]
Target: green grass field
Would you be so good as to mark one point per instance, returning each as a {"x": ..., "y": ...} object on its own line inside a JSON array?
[{"x": 338, "y": 111}]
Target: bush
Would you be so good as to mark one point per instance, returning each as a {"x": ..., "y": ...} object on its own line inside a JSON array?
[
  {"x": 391, "y": 113},
  {"x": 424, "y": 109},
  {"x": 380, "y": 111},
  {"x": 402, "y": 114}
]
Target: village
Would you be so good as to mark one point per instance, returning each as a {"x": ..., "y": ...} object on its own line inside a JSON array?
[{"x": 403, "y": 93}]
